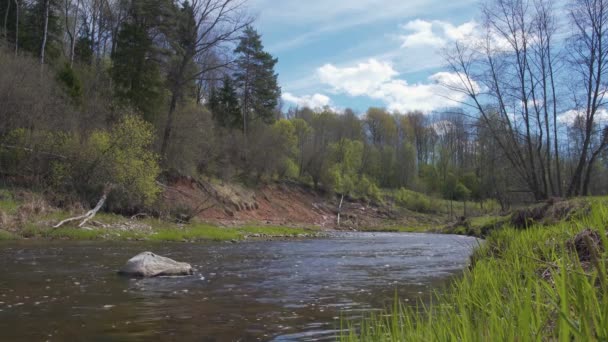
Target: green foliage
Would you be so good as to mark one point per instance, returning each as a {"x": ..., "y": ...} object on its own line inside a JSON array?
[
  {"x": 430, "y": 178},
  {"x": 461, "y": 192},
  {"x": 8, "y": 204},
  {"x": 224, "y": 104},
  {"x": 73, "y": 87},
  {"x": 415, "y": 201},
  {"x": 345, "y": 158},
  {"x": 4, "y": 235},
  {"x": 471, "y": 182},
  {"x": 135, "y": 67},
  {"x": 119, "y": 159},
  {"x": 368, "y": 189},
  {"x": 256, "y": 80}
]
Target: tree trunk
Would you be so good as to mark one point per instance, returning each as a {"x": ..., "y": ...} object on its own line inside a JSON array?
[
  {"x": 17, "y": 28},
  {"x": 8, "y": 9},
  {"x": 47, "y": 4},
  {"x": 169, "y": 125},
  {"x": 73, "y": 35}
]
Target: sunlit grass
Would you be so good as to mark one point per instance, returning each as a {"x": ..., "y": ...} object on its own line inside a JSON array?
[
  {"x": 162, "y": 232},
  {"x": 525, "y": 285}
]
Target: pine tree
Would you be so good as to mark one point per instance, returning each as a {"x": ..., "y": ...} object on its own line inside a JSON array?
[
  {"x": 256, "y": 79},
  {"x": 135, "y": 67},
  {"x": 224, "y": 105}
]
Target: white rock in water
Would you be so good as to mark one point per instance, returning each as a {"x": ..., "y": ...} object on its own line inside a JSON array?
[{"x": 148, "y": 264}]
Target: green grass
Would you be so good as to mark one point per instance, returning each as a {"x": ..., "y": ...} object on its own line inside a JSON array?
[
  {"x": 161, "y": 231},
  {"x": 4, "y": 235},
  {"x": 526, "y": 285},
  {"x": 195, "y": 232},
  {"x": 7, "y": 204}
]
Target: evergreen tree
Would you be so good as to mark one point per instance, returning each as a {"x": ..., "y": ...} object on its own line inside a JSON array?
[
  {"x": 256, "y": 79},
  {"x": 135, "y": 63},
  {"x": 224, "y": 105}
]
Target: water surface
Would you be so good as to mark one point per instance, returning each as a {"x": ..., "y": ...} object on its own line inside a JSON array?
[{"x": 280, "y": 290}]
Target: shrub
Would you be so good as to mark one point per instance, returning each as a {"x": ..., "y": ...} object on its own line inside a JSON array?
[{"x": 415, "y": 201}]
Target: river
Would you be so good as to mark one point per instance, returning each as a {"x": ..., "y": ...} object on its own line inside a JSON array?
[{"x": 277, "y": 290}]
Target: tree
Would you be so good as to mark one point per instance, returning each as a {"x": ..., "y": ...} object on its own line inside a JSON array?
[
  {"x": 508, "y": 77},
  {"x": 136, "y": 59},
  {"x": 588, "y": 47},
  {"x": 118, "y": 162},
  {"x": 224, "y": 104},
  {"x": 303, "y": 132},
  {"x": 256, "y": 79},
  {"x": 202, "y": 26}
]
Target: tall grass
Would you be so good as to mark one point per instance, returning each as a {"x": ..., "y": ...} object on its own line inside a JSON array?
[{"x": 524, "y": 286}]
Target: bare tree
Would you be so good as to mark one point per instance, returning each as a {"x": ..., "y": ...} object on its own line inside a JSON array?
[
  {"x": 214, "y": 23},
  {"x": 589, "y": 59},
  {"x": 514, "y": 65}
]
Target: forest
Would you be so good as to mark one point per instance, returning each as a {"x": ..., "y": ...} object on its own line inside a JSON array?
[{"x": 107, "y": 97}]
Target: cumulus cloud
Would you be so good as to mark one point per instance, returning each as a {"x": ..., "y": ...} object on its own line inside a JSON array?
[
  {"x": 435, "y": 33},
  {"x": 361, "y": 79},
  {"x": 376, "y": 79},
  {"x": 311, "y": 101}
]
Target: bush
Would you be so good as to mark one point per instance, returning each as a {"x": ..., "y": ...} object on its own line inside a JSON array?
[
  {"x": 119, "y": 159},
  {"x": 415, "y": 201},
  {"x": 368, "y": 189}
]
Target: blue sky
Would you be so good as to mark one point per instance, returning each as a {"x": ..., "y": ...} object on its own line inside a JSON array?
[{"x": 361, "y": 53}]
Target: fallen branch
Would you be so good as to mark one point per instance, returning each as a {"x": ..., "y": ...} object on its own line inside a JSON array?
[
  {"x": 89, "y": 214},
  {"x": 31, "y": 150},
  {"x": 138, "y": 216}
]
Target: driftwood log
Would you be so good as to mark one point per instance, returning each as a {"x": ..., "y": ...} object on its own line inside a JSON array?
[{"x": 89, "y": 214}]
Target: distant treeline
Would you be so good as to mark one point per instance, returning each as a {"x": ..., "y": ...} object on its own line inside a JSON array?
[{"x": 102, "y": 96}]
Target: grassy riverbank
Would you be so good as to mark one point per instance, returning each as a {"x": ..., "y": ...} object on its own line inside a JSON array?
[
  {"x": 161, "y": 231},
  {"x": 539, "y": 283},
  {"x": 32, "y": 218}
]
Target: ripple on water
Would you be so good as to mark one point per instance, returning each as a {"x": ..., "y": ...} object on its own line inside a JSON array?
[{"x": 283, "y": 290}]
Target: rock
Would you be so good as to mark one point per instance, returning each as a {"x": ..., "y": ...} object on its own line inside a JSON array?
[{"x": 148, "y": 264}]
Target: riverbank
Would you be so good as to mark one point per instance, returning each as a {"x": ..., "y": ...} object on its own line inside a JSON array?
[
  {"x": 546, "y": 282},
  {"x": 31, "y": 217},
  {"x": 282, "y": 210},
  {"x": 118, "y": 228}
]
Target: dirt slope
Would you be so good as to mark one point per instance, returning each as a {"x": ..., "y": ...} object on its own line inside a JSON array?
[{"x": 284, "y": 203}]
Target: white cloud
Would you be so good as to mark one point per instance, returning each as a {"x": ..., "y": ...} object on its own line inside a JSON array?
[
  {"x": 376, "y": 80},
  {"x": 361, "y": 79},
  {"x": 423, "y": 34},
  {"x": 311, "y": 101},
  {"x": 312, "y": 20},
  {"x": 435, "y": 33},
  {"x": 568, "y": 118}
]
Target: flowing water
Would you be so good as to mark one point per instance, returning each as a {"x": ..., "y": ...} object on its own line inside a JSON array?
[{"x": 279, "y": 290}]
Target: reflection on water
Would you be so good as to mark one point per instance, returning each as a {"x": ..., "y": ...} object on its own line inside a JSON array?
[{"x": 283, "y": 291}]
